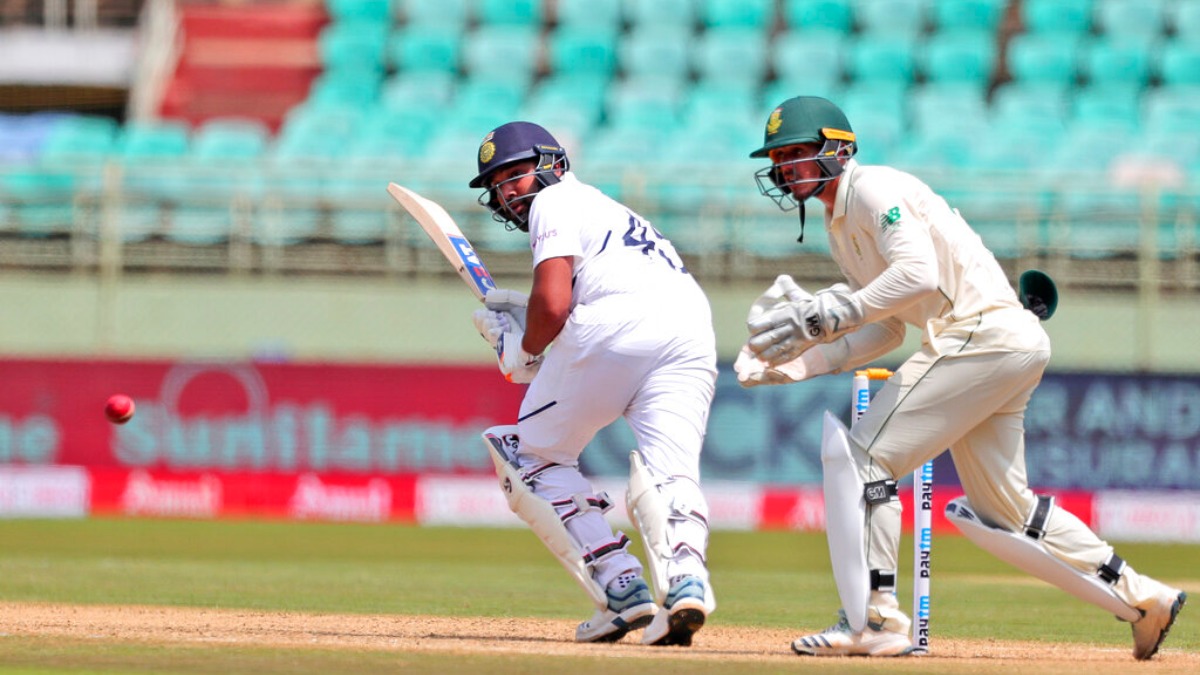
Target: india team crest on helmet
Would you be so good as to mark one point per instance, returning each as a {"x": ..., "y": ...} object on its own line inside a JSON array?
[{"x": 487, "y": 150}]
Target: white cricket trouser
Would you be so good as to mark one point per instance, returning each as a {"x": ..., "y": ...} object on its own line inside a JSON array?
[
  {"x": 974, "y": 404},
  {"x": 659, "y": 373}
]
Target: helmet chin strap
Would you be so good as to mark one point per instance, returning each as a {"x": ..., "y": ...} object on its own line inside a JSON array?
[{"x": 820, "y": 188}]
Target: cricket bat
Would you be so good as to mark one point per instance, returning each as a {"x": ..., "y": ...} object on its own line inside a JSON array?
[{"x": 449, "y": 239}]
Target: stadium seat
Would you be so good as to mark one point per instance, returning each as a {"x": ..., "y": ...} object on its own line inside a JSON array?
[
  {"x": 508, "y": 52},
  {"x": 656, "y": 51},
  {"x": 1099, "y": 224},
  {"x": 80, "y": 138},
  {"x": 831, "y": 15},
  {"x": 656, "y": 14},
  {"x": 731, "y": 55},
  {"x": 427, "y": 13},
  {"x": 573, "y": 106},
  {"x": 483, "y": 103},
  {"x": 359, "y": 201},
  {"x": 1036, "y": 103},
  {"x": 599, "y": 15},
  {"x": 348, "y": 87},
  {"x": 353, "y": 45},
  {"x": 1140, "y": 20},
  {"x": 164, "y": 139},
  {"x": 527, "y": 13},
  {"x": 1085, "y": 149},
  {"x": 954, "y": 15},
  {"x": 583, "y": 51},
  {"x": 961, "y": 56},
  {"x": 1057, "y": 16},
  {"x": 873, "y": 60},
  {"x": 756, "y": 14},
  {"x": 894, "y": 18},
  {"x": 229, "y": 138},
  {"x": 41, "y": 199},
  {"x": 812, "y": 54},
  {"x": 394, "y": 133},
  {"x": 425, "y": 48},
  {"x": 1184, "y": 19},
  {"x": 931, "y": 104},
  {"x": 366, "y": 10},
  {"x": 1115, "y": 61},
  {"x": 1114, "y": 105},
  {"x": 644, "y": 104},
  {"x": 421, "y": 89},
  {"x": 1172, "y": 109},
  {"x": 1042, "y": 58},
  {"x": 1180, "y": 63},
  {"x": 725, "y": 105}
]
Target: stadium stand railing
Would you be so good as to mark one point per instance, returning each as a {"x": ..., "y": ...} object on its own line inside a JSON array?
[{"x": 1075, "y": 152}]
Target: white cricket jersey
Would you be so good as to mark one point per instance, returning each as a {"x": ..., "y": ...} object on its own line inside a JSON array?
[
  {"x": 892, "y": 236},
  {"x": 621, "y": 262}
]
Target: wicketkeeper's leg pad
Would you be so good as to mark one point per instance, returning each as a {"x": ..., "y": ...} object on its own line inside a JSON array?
[
  {"x": 582, "y": 552},
  {"x": 672, "y": 516},
  {"x": 1026, "y": 552},
  {"x": 845, "y": 522}
]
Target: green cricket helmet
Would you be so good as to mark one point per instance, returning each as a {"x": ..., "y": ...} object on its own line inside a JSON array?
[{"x": 801, "y": 120}]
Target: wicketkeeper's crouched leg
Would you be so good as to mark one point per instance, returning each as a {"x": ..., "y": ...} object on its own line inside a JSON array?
[{"x": 559, "y": 505}]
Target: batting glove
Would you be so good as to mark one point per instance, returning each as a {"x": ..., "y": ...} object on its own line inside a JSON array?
[
  {"x": 508, "y": 301},
  {"x": 517, "y": 365}
]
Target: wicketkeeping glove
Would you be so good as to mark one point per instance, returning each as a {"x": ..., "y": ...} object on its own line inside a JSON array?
[
  {"x": 517, "y": 365},
  {"x": 781, "y": 334}
]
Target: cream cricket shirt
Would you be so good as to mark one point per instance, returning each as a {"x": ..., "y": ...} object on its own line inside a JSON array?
[{"x": 893, "y": 238}]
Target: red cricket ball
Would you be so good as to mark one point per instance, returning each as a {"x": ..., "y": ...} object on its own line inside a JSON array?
[{"x": 119, "y": 409}]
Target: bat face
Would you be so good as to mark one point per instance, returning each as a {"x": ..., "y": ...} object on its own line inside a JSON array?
[{"x": 449, "y": 239}]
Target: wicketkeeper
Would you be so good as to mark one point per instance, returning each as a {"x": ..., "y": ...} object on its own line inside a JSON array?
[
  {"x": 909, "y": 258},
  {"x": 632, "y": 337}
]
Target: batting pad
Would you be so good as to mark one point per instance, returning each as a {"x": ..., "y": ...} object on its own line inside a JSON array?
[
  {"x": 1032, "y": 557},
  {"x": 845, "y": 522},
  {"x": 538, "y": 513}
]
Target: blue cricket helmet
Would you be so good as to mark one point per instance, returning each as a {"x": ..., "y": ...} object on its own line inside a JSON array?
[{"x": 517, "y": 141}]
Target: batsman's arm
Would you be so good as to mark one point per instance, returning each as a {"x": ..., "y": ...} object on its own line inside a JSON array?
[{"x": 549, "y": 303}]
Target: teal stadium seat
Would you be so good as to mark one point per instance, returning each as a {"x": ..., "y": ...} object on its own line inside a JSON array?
[
  {"x": 734, "y": 54},
  {"x": 346, "y": 87},
  {"x": 1141, "y": 20},
  {"x": 654, "y": 14},
  {"x": 394, "y": 133},
  {"x": 224, "y": 138},
  {"x": 813, "y": 57},
  {"x": 981, "y": 15},
  {"x": 572, "y": 104},
  {"x": 1180, "y": 63},
  {"x": 1016, "y": 105},
  {"x": 656, "y": 51},
  {"x": 379, "y": 11},
  {"x": 42, "y": 199},
  {"x": 153, "y": 140},
  {"x": 874, "y": 60},
  {"x": 1089, "y": 149},
  {"x": 527, "y": 13},
  {"x": 599, "y": 15},
  {"x": 877, "y": 113},
  {"x": 830, "y": 15},
  {"x": 725, "y": 109},
  {"x": 359, "y": 202},
  {"x": 931, "y": 104},
  {"x": 81, "y": 138},
  {"x": 1184, "y": 18},
  {"x": 583, "y": 51},
  {"x": 425, "y": 48},
  {"x": 1172, "y": 109},
  {"x": 892, "y": 18},
  {"x": 455, "y": 13},
  {"x": 1038, "y": 58},
  {"x": 222, "y": 182},
  {"x": 353, "y": 45},
  {"x": 1099, "y": 225},
  {"x": 507, "y": 52},
  {"x": 1115, "y": 61},
  {"x": 1057, "y": 16},
  {"x": 756, "y": 14},
  {"x": 1107, "y": 105},
  {"x": 420, "y": 89},
  {"x": 965, "y": 56},
  {"x": 644, "y": 104},
  {"x": 485, "y": 103}
]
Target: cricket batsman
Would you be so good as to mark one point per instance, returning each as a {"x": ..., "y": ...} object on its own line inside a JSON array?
[
  {"x": 908, "y": 258},
  {"x": 632, "y": 337}
]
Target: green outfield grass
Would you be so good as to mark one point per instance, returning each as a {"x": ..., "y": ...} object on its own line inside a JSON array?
[{"x": 770, "y": 579}]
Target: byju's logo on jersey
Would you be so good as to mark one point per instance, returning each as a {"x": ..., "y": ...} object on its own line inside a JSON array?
[{"x": 471, "y": 261}]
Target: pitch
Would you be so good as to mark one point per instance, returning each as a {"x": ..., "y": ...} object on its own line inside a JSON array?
[{"x": 204, "y": 597}]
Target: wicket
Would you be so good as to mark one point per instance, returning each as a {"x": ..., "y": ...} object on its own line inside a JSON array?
[{"x": 922, "y": 508}]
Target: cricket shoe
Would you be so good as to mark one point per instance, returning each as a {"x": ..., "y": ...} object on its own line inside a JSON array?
[
  {"x": 883, "y": 636},
  {"x": 1157, "y": 616},
  {"x": 684, "y": 613},
  {"x": 630, "y": 606}
]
